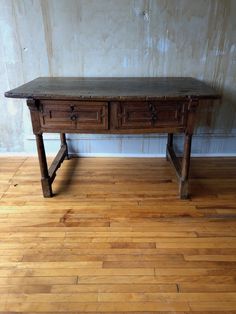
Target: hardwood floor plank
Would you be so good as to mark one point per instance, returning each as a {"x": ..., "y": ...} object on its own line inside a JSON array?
[
  {"x": 156, "y": 279},
  {"x": 168, "y": 264},
  {"x": 114, "y": 288},
  {"x": 207, "y": 287},
  {"x": 68, "y": 272},
  {"x": 95, "y": 306},
  {"x": 38, "y": 280},
  {"x": 168, "y": 297},
  {"x": 213, "y": 306}
]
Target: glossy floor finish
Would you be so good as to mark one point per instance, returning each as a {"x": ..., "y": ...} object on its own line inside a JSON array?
[{"x": 116, "y": 238}]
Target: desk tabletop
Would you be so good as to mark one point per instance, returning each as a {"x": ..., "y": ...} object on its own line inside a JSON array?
[{"x": 117, "y": 88}]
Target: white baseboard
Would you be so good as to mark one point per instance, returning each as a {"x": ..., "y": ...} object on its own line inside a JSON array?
[
  {"x": 101, "y": 155},
  {"x": 148, "y": 145},
  {"x": 118, "y": 155}
]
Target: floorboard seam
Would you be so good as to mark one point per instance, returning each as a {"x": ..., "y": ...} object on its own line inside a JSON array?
[{"x": 10, "y": 180}]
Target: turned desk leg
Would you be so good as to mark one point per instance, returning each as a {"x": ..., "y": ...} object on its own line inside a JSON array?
[
  {"x": 63, "y": 142},
  {"x": 45, "y": 178},
  {"x": 183, "y": 185}
]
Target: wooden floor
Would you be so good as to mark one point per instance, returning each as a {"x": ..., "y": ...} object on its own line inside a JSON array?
[{"x": 117, "y": 239}]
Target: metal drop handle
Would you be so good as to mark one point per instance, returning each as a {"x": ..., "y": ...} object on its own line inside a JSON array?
[
  {"x": 73, "y": 117},
  {"x": 152, "y": 109},
  {"x": 154, "y": 117}
]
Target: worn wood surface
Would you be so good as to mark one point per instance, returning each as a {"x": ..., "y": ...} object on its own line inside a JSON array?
[
  {"x": 118, "y": 240},
  {"x": 113, "y": 88},
  {"x": 79, "y": 116}
]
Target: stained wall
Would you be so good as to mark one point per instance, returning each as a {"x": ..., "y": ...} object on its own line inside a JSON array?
[{"x": 119, "y": 38}]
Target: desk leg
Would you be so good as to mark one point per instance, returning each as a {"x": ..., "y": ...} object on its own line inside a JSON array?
[
  {"x": 182, "y": 169},
  {"x": 63, "y": 142},
  {"x": 183, "y": 185},
  {"x": 169, "y": 143},
  {"x": 45, "y": 178}
]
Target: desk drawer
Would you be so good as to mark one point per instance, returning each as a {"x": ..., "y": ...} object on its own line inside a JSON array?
[
  {"x": 137, "y": 115},
  {"x": 73, "y": 115}
]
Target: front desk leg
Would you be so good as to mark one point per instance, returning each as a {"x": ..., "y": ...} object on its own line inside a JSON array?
[
  {"x": 45, "y": 178},
  {"x": 183, "y": 184}
]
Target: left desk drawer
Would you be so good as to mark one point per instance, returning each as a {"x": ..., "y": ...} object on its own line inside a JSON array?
[{"x": 73, "y": 115}]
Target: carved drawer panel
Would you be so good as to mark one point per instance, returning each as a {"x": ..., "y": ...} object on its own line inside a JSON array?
[
  {"x": 73, "y": 115},
  {"x": 151, "y": 114}
]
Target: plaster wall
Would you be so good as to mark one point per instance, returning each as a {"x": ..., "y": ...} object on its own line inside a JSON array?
[{"x": 119, "y": 38}]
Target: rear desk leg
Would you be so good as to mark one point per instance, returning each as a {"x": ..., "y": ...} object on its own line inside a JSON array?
[
  {"x": 182, "y": 169},
  {"x": 45, "y": 178},
  {"x": 169, "y": 143},
  {"x": 63, "y": 142}
]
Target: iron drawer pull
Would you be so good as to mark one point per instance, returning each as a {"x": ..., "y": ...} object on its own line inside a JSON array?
[
  {"x": 150, "y": 107},
  {"x": 73, "y": 117},
  {"x": 154, "y": 117},
  {"x": 153, "y": 110}
]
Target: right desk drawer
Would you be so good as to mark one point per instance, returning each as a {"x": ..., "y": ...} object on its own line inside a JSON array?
[{"x": 136, "y": 115}]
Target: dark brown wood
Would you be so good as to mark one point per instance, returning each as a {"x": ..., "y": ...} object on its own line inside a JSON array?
[
  {"x": 64, "y": 143},
  {"x": 169, "y": 144},
  {"x": 45, "y": 178},
  {"x": 57, "y": 162},
  {"x": 192, "y": 109},
  {"x": 121, "y": 88},
  {"x": 145, "y": 115},
  {"x": 113, "y": 121},
  {"x": 113, "y": 106},
  {"x": 73, "y": 115},
  {"x": 33, "y": 106},
  {"x": 63, "y": 139},
  {"x": 183, "y": 184},
  {"x": 174, "y": 160},
  {"x": 170, "y": 139}
]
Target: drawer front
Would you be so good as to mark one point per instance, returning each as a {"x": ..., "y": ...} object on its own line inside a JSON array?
[
  {"x": 73, "y": 115},
  {"x": 136, "y": 115}
]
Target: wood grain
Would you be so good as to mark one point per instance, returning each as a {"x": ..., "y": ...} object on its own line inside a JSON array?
[
  {"x": 128, "y": 246},
  {"x": 116, "y": 88}
]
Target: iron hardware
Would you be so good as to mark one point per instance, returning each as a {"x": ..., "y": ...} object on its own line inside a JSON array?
[{"x": 73, "y": 117}]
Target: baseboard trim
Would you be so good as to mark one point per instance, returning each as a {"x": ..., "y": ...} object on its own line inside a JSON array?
[
  {"x": 137, "y": 146},
  {"x": 111, "y": 155},
  {"x": 89, "y": 137}
]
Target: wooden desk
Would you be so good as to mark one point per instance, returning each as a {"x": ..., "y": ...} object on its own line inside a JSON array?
[{"x": 114, "y": 106}]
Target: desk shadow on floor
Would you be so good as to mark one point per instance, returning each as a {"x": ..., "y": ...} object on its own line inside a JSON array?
[
  {"x": 68, "y": 173},
  {"x": 215, "y": 177}
]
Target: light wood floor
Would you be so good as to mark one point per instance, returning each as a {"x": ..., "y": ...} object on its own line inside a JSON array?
[{"x": 116, "y": 238}]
